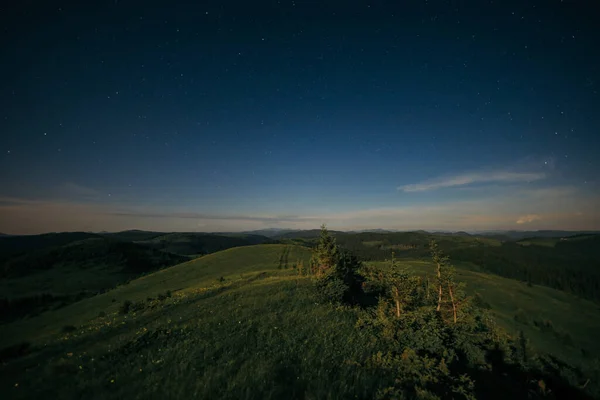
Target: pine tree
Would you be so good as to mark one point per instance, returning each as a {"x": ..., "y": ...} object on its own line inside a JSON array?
[{"x": 326, "y": 254}]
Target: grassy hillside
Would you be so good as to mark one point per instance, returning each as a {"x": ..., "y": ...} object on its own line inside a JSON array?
[
  {"x": 56, "y": 276},
  {"x": 205, "y": 271},
  {"x": 201, "y": 243},
  {"x": 565, "y": 263},
  {"x": 572, "y": 265},
  {"x": 241, "y": 323},
  {"x": 556, "y": 322}
]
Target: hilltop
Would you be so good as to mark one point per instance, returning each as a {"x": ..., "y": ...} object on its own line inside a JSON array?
[
  {"x": 243, "y": 323},
  {"x": 253, "y": 322},
  {"x": 193, "y": 244}
]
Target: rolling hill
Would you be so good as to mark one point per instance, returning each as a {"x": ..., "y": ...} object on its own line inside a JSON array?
[
  {"x": 188, "y": 276},
  {"x": 132, "y": 235},
  {"x": 11, "y": 246},
  {"x": 201, "y": 243},
  {"x": 569, "y": 263},
  {"x": 55, "y": 276},
  {"x": 241, "y": 323}
]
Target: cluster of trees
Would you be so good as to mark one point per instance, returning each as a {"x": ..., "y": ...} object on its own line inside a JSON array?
[
  {"x": 570, "y": 266},
  {"x": 439, "y": 342}
]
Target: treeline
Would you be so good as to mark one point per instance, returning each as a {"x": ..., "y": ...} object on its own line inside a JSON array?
[
  {"x": 203, "y": 243},
  {"x": 436, "y": 342},
  {"x": 11, "y": 246},
  {"x": 131, "y": 257},
  {"x": 572, "y": 266}
]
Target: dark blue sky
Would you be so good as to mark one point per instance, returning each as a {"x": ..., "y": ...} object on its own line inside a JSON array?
[{"x": 245, "y": 115}]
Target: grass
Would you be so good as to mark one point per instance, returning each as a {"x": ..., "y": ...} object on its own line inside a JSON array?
[
  {"x": 517, "y": 306},
  {"x": 260, "y": 333},
  {"x": 538, "y": 241},
  {"x": 192, "y": 243},
  {"x": 52, "y": 277},
  {"x": 258, "y": 341},
  {"x": 373, "y": 243},
  {"x": 240, "y": 324},
  {"x": 229, "y": 264},
  {"x": 65, "y": 279}
]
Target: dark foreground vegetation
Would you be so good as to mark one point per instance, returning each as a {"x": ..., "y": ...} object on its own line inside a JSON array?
[{"x": 282, "y": 321}]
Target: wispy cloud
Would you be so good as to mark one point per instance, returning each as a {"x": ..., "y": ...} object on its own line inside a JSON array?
[
  {"x": 550, "y": 207},
  {"x": 527, "y": 219},
  {"x": 470, "y": 178},
  {"x": 524, "y": 170}
]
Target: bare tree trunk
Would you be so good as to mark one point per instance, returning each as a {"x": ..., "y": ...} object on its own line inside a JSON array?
[
  {"x": 585, "y": 384},
  {"x": 397, "y": 299},
  {"x": 453, "y": 304},
  {"x": 439, "y": 274}
]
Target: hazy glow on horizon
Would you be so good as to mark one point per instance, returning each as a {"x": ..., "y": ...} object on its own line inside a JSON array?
[{"x": 495, "y": 201}]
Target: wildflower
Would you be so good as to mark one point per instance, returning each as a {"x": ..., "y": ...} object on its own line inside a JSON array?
[{"x": 16, "y": 385}]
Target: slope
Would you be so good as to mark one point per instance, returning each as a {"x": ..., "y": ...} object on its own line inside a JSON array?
[
  {"x": 56, "y": 276},
  {"x": 259, "y": 332},
  {"x": 556, "y": 322},
  {"x": 15, "y": 245},
  {"x": 205, "y": 271},
  {"x": 201, "y": 243}
]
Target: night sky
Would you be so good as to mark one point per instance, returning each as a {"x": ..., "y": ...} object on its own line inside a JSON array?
[{"x": 240, "y": 115}]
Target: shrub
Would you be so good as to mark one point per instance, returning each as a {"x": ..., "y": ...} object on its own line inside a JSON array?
[
  {"x": 521, "y": 317},
  {"x": 137, "y": 306},
  {"x": 331, "y": 288},
  {"x": 14, "y": 351},
  {"x": 68, "y": 328},
  {"x": 125, "y": 307},
  {"x": 478, "y": 301},
  {"x": 544, "y": 325}
]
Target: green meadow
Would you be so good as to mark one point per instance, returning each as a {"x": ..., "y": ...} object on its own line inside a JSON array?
[{"x": 251, "y": 323}]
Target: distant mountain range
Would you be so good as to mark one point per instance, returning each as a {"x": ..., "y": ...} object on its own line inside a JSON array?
[
  {"x": 136, "y": 234},
  {"x": 504, "y": 234}
]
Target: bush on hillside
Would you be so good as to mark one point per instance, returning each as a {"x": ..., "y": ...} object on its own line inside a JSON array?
[
  {"x": 125, "y": 307},
  {"x": 69, "y": 328}
]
